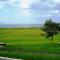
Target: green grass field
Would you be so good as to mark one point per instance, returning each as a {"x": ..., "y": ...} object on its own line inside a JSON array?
[{"x": 29, "y": 44}]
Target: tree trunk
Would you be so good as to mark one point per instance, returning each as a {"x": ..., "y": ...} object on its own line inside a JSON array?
[{"x": 52, "y": 39}]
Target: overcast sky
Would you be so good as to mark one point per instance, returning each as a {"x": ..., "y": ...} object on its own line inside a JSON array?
[{"x": 29, "y": 11}]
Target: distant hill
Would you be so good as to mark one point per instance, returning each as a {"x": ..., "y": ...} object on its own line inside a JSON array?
[{"x": 20, "y": 25}]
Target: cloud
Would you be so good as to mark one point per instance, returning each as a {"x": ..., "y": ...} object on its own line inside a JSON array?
[
  {"x": 3, "y": 0},
  {"x": 55, "y": 11},
  {"x": 5, "y": 3},
  {"x": 30, "y": 9},
  {"x": 45, "y": 5},
  {"x": 8, "y": 1},
  {"x": 26, "y": 12},
  {"x": 57, "y": 1},
  {"x": 25, "y": 3}
]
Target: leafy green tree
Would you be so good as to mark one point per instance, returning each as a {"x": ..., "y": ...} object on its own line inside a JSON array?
[
  {"x": 58, "y": 26},
  {"x": 51, "y": 28}
]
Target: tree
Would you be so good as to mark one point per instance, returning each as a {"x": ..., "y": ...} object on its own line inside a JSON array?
[
  {"x": 58, "y": 26},
  {"x": 51, "y": 28}
]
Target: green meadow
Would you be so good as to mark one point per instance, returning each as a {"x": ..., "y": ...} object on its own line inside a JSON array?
[{"x": 29, "y": 44}]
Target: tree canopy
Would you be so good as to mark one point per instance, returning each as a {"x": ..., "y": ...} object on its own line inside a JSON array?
[{"x": 51, "y": 28}]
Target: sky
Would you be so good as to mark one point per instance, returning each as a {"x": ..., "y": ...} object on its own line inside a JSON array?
[{"x": 29, "y": 11}]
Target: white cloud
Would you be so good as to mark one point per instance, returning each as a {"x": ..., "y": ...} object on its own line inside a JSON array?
[
  {"x": 24, "y": 7},
  {"x": 57, "y": 1},
  {"x": 12, "y": 1},
  {"x": 51, "y": 5},
  {"x": 54, "y": 11},
  {"x": 7, "y": 1},
  {"x": 25, "y": 3},
  {"x": 26, "y": 13}
]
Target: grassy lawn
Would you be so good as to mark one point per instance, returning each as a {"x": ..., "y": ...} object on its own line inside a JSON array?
[{"x": 29, "y": 44}]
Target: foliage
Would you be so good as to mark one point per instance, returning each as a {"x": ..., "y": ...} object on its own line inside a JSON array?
[{"x": 51, "y": 28}]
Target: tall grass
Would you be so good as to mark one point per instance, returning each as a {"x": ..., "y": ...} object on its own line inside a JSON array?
[{"x": 29, "y": 44}]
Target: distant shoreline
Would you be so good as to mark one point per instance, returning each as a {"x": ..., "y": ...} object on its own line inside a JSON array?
[{"x": 20, "y": 25}]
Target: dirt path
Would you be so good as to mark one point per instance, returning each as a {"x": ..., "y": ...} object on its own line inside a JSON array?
[{"x": 4, "y": 58}]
